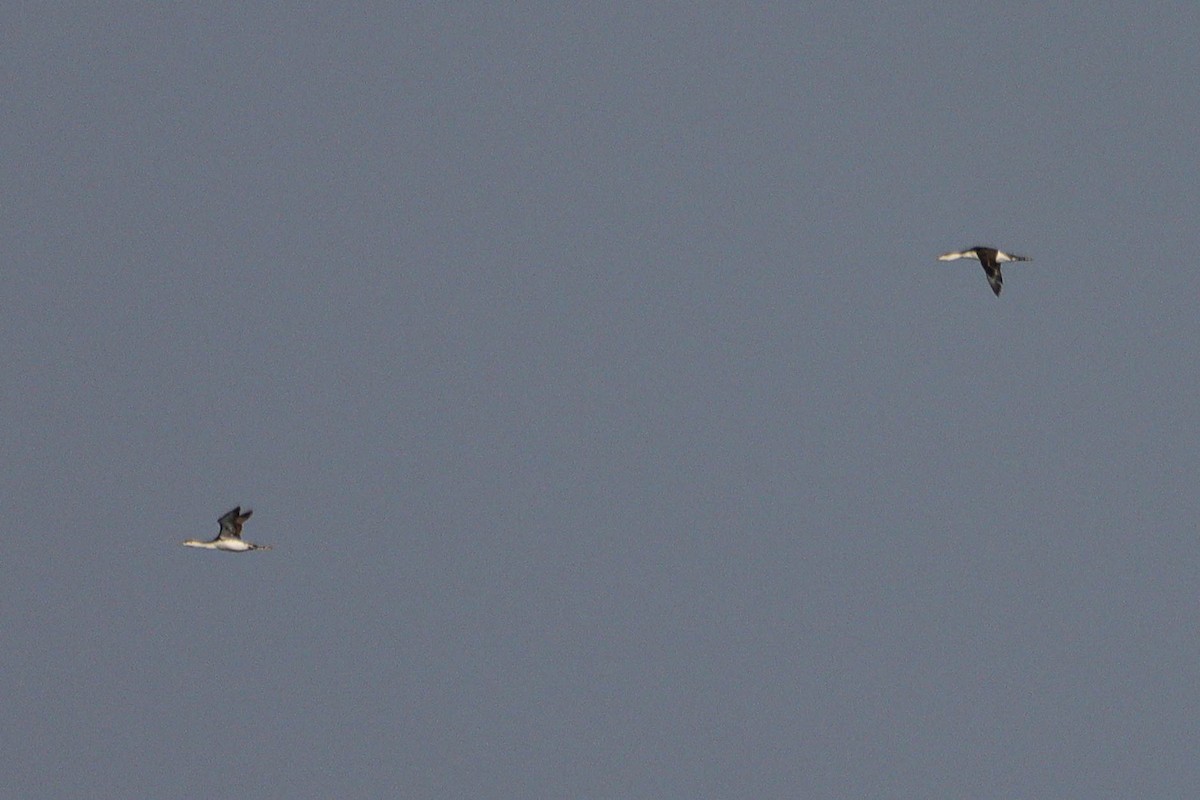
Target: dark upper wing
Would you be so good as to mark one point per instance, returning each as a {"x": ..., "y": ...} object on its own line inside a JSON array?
[
  {"x": 231, "y": 524},
  {"x": 994, "y": 277}
]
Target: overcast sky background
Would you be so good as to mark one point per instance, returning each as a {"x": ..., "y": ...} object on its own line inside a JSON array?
[{"x": 592, "y": 374}]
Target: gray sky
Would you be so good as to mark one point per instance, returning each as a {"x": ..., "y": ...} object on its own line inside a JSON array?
[{"x": 592, "y": 374}]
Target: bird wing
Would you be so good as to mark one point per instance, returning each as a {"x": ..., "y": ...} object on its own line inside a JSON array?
[
  {"x": 995, "y": 279},
  {"x": 231, "y": 523}
]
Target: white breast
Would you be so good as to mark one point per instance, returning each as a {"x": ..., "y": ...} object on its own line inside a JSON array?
[{"x": 236, "y": 545}]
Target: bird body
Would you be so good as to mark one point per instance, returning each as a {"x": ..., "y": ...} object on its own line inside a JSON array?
[
  {"x": 990, "y": 259},
  {"x": 229, "y": 538}
]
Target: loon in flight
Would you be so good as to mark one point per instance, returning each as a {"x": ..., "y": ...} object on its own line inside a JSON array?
[
  {"x": 990, "y": 258},
  {"x": 230, "y": 537}
]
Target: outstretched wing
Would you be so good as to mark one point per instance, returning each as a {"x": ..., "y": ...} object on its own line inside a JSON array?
[
  {"x": 231, "y": 523},
  {"x": 995, "y": 279}
]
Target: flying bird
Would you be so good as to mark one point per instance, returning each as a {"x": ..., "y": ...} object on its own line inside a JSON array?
[
  {"x": 230, "y": 537},
  {"x": 990, "y": 258}
]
